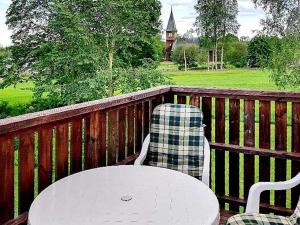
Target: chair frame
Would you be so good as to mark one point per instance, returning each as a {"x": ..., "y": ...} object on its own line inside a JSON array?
[
  {"x": 206, "y": 165},
  {"x": 258, "y": 188}
]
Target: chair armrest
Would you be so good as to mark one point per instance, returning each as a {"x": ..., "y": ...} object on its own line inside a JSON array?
[
  {"x": 140, "y": 160},
  {"x": 206, "y": 165},
  {"x": 257, "y": 189}
]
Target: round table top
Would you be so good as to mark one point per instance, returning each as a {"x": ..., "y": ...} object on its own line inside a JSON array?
[{"x": 126, "y": 195}]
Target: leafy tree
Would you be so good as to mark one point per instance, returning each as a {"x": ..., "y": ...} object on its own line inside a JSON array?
[
  {"x": 285, "y": 63},
  {"x": 260, "y": 50},
  {"x": 153, "y": 50},
  {"x": 236, "y": 54},
  {"x": 216, "y": 19},
  {"x": 74, "y": 49},
  {"x": 4, "y": 56},
  {"x": 283, "y": 16},
  {"x": 187, "y": 53}
]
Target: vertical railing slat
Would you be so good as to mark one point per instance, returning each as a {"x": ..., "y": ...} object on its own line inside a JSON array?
[
  {"x": 295, "y": 148},
  {"x": 76, "y": 146},
  {"x": 181, "y": 99},
  {"x": 138, "y": 127},
  {"x": 86, "y": 142},
  {"x": 220, "y": 155},
  {"x": 280, "y": 145},
  {"x": 264, "y": 142},
  {"x": 234, "y": 134},
  {"x": 195, "y": 100},
  {"x": 26, "y": 171},
  {"x": 62, "y": 151},
  {"x": 6, "y": 179},
  {"x": 102, "y": 130},
  {"x": 146, "y": 118},
  {"x": 45, "y": 157},
  {"x": 249, "y": 141},
  {"x": 122, "y": 133},
  {"x": 130, "y": 124},
  {"x": 112, "y": 137},
  {"x": 207, "y": 115},
  {"x": 169, "y": 98},
  {"x": 93, "y": 150}
]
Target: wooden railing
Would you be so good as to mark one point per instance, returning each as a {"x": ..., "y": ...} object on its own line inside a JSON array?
[{"x": 254, "y": 135}]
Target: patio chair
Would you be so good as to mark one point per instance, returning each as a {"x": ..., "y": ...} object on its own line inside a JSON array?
[
  {"x": 252, "y": 215},
  {"x": 176, "y": 141}
]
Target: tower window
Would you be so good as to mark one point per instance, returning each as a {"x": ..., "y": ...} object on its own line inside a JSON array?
[{"x": 170, "y": 35}]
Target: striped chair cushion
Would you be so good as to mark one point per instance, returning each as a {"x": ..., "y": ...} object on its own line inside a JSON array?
[
  {"x": 295, "y": 218},
  {"x": 263, "y": 219},
  {"x": 177, "y": 139}
]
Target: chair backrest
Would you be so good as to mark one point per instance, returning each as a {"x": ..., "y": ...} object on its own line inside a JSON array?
[
  {"x": 177, "y": 139},
  {"x": 296, "y": 216}
]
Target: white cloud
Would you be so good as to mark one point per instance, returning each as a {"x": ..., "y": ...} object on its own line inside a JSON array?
[{"x": 246, "y": 5}]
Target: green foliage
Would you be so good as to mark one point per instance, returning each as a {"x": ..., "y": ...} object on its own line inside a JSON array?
[
  {"x": 191, "y": 53},
  {"x": 4, "y": 109},
  {"x": 202, "y": 57},
  {"x": 236, "y": 54},
  {"x": 282, "y": 16},
  {"x": 260, "y": 50},
  {"x": 4, "y": 56},
  {"x": 152, "y": 50},
  {"x": 141, "y": 78},
  {"x": 285, "y": 62},
  {"x": 75, "y": 50}
]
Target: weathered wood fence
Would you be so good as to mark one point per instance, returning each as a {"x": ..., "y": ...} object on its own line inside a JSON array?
[{"x": 255, "y": 136}]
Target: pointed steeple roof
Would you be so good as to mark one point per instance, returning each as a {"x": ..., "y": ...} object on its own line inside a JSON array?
[{"x": 171, "y": 24}]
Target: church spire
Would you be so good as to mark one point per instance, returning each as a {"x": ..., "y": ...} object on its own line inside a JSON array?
[{"x": 171, "y": 24}]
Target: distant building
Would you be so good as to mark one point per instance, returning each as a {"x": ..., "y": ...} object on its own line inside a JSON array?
[{"x": 171, "y": 35}]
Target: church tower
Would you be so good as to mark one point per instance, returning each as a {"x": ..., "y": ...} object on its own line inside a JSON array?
[{"x": 171, "y": 34}]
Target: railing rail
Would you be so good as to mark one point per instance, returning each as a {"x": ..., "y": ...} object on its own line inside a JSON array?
[{"x": 254, "y": 136}]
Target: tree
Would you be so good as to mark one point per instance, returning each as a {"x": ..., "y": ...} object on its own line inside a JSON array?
[
  {"x": 122, "y": 23},
  {"x": 230, "y": 23},
  {"x": 285, "y": 63},
  {"x": 282, "y": 16},
  {"x": 216, "y": 19},
  {"x": 260, "y": 50},
  {"x": 74, "y": 49},
  {"x": 236, "y": 53},
  {"x": 186, "y": 54},
  {"x": 283, "y": 20}
]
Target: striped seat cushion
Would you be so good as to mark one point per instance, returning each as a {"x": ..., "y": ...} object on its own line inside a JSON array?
[
  {"x": 263, "y": 219},
  {"x": 177, "y": 139}
]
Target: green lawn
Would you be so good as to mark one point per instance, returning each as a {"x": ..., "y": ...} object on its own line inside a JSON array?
[
  {"x": 19, "y": 95},
  {"x": 239, "y": 78}
]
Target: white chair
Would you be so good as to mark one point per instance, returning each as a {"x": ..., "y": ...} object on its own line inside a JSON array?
[
  {"x": 252, "y": 208},
  {"x": 188, "y": 124}
]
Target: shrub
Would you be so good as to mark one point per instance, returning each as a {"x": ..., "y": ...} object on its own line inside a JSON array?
[
  {"x": 191, "y": 52},
  {"x": 260, "y": 50},
  {"x": 4, "y": 109}
]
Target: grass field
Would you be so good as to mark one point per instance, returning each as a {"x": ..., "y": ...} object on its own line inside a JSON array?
[
  {"x": 19, "y": 95},
  {"x": 239, "y": 78}
]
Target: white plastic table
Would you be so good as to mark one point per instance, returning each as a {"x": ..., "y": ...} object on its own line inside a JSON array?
[{"x": 121, "y": 195}]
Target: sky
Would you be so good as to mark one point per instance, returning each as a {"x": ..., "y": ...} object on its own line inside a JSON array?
[{"x": 184, "y": 13}]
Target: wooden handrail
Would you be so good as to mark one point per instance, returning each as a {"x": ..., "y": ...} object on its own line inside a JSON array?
[
  {"x": 238, "y": 93},
  {"x": 49, "y": 116}
]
